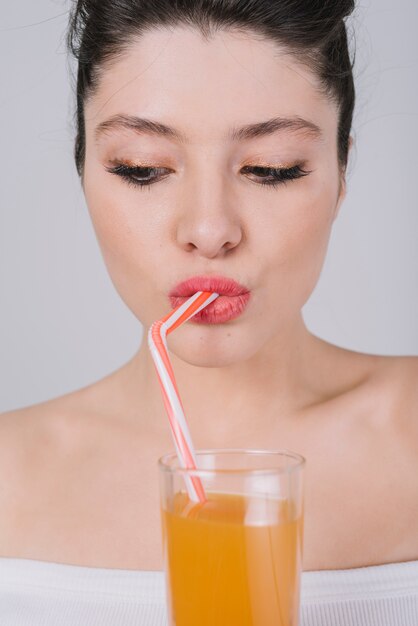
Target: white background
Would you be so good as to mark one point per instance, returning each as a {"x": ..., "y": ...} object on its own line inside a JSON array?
[{"x": 62, "y": 323}]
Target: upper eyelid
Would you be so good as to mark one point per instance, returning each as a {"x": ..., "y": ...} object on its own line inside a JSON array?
[{"x": 129, "y": 166}]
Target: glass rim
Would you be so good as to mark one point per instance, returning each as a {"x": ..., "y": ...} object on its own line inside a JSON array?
[{"x": 300, "y": 462}]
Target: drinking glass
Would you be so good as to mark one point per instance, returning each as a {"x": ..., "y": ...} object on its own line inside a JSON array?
[{"x": 236, "y": 558}]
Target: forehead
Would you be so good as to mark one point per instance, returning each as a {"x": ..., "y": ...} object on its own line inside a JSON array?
[{"x": 208, "y": 87}]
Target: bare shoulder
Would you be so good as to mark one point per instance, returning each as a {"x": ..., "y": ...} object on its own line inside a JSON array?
[
  {"x": 36, "y": 443},
  {"x": 384, "y": 387},
  {"x": 51, "y": 432},
  {"x": 43, "y": 445},
  {"x": 390, "y": 397},
  {"x": 77, "y": 428},
  {"x": 383, "y": 376},
  {"x": 61, "y": 420},
  {"x": 397, "y": 377},
  {"x": 43, "y": 420},
  {"x": 68, "y": 466},
  {"x": 32, "y": 436}
]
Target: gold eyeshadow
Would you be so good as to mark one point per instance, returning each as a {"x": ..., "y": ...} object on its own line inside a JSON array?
[
  {"x": 130, "y": 163},
  {"x": 283, "y": 166}
]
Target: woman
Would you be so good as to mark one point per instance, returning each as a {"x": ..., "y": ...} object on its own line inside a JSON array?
[{"x": 212, "y": 145}]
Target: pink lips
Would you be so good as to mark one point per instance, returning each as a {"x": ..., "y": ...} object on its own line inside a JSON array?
[{"x": 232, "y": 300}]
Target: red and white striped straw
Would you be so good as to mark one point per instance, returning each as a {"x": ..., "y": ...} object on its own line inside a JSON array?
[{"x": 158, "y": 346}]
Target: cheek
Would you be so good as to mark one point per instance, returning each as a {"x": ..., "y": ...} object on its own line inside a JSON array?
[
  {"x": 130, "y": 250},
  {"x": 299, "y": 240},
  {"x": 113, "y": 211}
]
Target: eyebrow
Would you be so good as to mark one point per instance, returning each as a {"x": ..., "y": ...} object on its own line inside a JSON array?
[{"x": 249, "y": 131}]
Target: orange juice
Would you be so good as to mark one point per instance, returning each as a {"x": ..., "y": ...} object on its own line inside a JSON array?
[{"x": 232, "y": 561}]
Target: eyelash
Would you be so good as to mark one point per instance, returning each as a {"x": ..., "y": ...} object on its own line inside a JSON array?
[{"x": 280, "y": 175}]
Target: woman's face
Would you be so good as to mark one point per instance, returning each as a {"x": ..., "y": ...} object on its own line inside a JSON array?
[{"x": 207, "y": 210}]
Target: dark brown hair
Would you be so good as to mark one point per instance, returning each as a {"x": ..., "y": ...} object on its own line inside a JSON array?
[{"x": 101, "y": 31}]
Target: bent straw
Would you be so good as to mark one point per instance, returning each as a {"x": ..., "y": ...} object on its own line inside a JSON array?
[{"x": 158, "y": 346}]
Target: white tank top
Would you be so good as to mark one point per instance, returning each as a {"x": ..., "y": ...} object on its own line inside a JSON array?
[{"x": 41, "y": 593}]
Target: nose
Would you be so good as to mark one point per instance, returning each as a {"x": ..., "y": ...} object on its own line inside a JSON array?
[{"x": 209, "y": 225}]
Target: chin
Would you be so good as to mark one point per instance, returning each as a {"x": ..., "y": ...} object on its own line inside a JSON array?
[{"x": 225, "y": 347}]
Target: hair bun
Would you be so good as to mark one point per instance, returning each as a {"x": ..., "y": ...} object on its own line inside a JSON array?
[{"x": 348, "y": 7}]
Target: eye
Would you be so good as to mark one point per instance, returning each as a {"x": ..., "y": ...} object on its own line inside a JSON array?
[
  {"x": 144, "y": 176},
  {"x": 137, "y": 176},
  {"x": 277, "y": 176}
]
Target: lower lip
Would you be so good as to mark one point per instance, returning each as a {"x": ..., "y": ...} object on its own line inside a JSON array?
[{"x": 223, "y": 309}]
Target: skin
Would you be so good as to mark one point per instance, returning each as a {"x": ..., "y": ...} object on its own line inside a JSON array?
[{"x": 82, "y": 481}]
